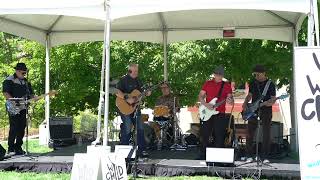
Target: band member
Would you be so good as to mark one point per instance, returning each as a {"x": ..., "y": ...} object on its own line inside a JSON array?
[
  {"x": 125, "y": 86},
  {"x": 217, "y": 124},
  {"x": 256, "y": 88},
  {"x": 17, "y": 86},
  {"x": 168, "y": 99}
]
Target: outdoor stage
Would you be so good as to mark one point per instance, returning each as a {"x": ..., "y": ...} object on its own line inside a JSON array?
[{"x": 159, "y": 163}]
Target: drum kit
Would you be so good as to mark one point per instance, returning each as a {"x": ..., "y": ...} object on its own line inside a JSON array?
[{"x": 164, "y": 131}]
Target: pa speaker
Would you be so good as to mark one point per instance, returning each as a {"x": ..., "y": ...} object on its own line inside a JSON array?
[{"x": 61, "y": 128}]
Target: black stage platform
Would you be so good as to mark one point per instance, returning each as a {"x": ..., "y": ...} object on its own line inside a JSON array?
[{"x": 159, "y": 163}]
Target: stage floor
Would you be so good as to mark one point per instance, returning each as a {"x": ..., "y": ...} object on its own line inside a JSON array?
[{"x": 159, "y": 163}]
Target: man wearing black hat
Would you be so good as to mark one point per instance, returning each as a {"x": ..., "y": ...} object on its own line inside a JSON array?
[
  {"x": 257, "y": 87},
  {"x": 17, "y": 86},
  {"x": 217, "y": 124}
]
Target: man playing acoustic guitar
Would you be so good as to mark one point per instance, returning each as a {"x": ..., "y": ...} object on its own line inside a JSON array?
[
  {"x": 17, "y": 86},
  {"x": 216, "y": 125},
  {"x": 125, "y": 86},
  {"x": 267, "y": 99}
]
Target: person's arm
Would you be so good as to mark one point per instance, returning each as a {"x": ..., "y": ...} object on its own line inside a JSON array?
[
  {"x": 248, "y": 97},
  {"x": 202, "y": 97},
  {"x": 230, "y": 99},
  {"x": 120, "y": 94},
  {"x": 6, "y": 87},
  {"x": 246, "y": 100}
]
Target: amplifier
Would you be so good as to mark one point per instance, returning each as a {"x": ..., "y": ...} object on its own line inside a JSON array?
[{"x": 61, "y": 128}]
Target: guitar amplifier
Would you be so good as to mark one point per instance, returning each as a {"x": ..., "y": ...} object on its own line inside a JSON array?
[{"x": 61, "y": 128}]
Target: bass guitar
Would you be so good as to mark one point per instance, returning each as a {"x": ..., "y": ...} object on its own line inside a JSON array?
[
  {"x": 126, "y": 108},
  {"x": 15, "y": 105},
  {"x": 250, "y": 112}
]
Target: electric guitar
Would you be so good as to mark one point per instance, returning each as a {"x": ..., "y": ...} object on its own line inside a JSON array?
[
  {"x": 205, "y": 113},
  {"x": 249, "y": 113},
  {"x": 15, "y": 105},
  {"x": 126, "y": 108}
]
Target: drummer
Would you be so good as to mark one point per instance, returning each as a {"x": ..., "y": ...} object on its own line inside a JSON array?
[{"x": 167, "y": 99}]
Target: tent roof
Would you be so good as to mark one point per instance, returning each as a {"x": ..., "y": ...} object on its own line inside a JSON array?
[{"x": 145, "y": 20}]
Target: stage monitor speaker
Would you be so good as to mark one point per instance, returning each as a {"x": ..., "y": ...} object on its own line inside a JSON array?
[
  {"x": 61, "y": 128},
  {"x": 220, "y": 155},
  {"x": 126, "y": 151}
]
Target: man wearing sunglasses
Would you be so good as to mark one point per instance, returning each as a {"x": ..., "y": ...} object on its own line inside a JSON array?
[
  {"x": 256, "y": 88},
  {"x": 17, "y": 86}
]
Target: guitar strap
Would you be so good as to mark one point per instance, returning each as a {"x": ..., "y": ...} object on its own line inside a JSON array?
[
  {"x": 265, "y": 90},
  {"x": 220, "y": 91}
]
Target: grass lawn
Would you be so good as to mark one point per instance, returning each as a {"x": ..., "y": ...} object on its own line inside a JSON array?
[
  {"x": 33, "y": 176},
  {"x": 64, "y": 176},
  {"x": 33, "y": 146}
]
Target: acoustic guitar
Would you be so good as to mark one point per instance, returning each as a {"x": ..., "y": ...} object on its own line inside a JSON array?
[{"x": 126, "y": 108}]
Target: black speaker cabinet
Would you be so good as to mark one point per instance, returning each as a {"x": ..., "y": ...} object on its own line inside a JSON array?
[{"x": 61, "y": 128}]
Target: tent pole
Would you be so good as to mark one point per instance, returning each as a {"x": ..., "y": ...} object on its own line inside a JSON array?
[
  {"x": 165, "y": 55},
  {"x": 316, "y": 20},
  {"x": 106, "y": 47},
  {"x": 101, "y": 99},
  {"x": 311, "y": 25},
  {"x": 47, "y": 86},
  {"x": 293, "y": 105}
]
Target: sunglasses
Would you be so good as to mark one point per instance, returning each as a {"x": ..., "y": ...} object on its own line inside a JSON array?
[{"x": 23, "y": 72}]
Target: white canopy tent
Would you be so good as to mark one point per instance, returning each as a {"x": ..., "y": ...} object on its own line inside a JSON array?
[{"x": 60, "y": 22}]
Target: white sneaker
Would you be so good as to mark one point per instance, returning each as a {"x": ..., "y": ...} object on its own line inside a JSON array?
[
  {"x": 243, "y": 158},
  {"x": 249, "y": 160},
  {"x": 266, "y": 161},
  {"x": 10, "y": 154}
]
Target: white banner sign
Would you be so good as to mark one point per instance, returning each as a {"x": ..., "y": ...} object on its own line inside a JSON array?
[
  {"x": 307, "y": 85},
  {"x": 113, "y": 167},
  {"x": 86, "y": 167}
]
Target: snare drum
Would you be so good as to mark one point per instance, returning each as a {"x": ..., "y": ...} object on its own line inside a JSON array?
[{"x": 161, "y": 111}]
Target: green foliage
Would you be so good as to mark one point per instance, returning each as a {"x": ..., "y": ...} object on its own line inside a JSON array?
[{"x": 85, "y": 121}]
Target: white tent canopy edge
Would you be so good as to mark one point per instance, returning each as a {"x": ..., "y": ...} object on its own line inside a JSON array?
[{"x": 124, "y": 10}]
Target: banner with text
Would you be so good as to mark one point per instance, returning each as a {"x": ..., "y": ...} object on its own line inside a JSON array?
[{"x": 307, "y": 95}]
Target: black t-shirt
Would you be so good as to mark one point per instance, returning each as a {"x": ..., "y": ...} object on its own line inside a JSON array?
[
  {"x": 16, "y": 87},
  {"x": 127, "y": 84},
  {"x": 256, "y": 89}
]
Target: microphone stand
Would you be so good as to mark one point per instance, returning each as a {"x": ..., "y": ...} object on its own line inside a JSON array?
[
  {"x": 28, "y": 94},
  {"x": 176, "y": 146},
  {"x": 135, "y": 142}
]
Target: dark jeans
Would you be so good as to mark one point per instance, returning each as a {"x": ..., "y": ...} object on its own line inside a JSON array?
[
  {"x": 265, "y": 119},
  {"x": 215, "y": 127},
  {"x": 127, "y": 122},
  {"x": 16, "y": 131}
]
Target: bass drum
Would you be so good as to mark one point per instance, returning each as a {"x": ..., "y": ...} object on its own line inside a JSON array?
[{"x": 149, "y": 135}]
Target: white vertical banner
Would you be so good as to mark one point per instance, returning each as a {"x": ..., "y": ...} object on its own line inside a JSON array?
[{"x": 307, "y": 86}]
